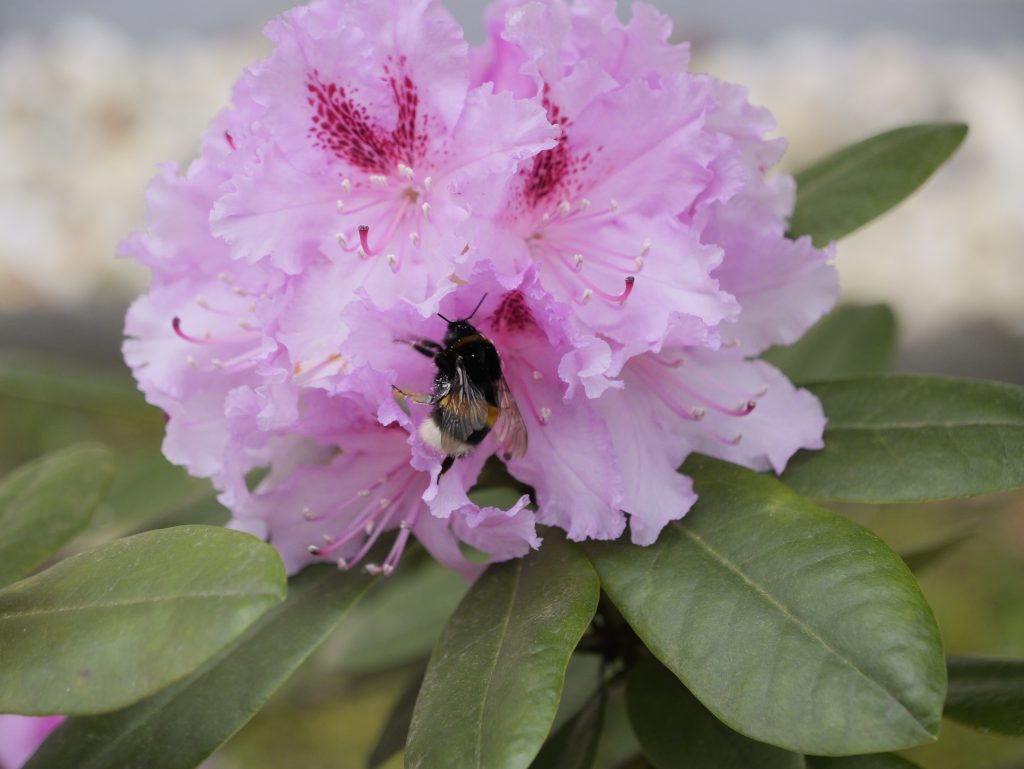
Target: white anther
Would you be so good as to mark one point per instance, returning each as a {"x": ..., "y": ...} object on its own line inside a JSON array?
[
  {"x": 364, "y": 492},
  {"x": 613, "y": 205},
  {"x": 368, "y": 528},
  {"x": 340, "y": 206},
  {"x": 384, "y": 502},
  {"x": 239, "y": 291},
  {"x": 252, "y": 307},
  {"x": 564, "y": 208},
  {"x": 201, "y": 302},
  {"x": 645, "y": 249},
  {"x": 328, "y": 539},
  {"x": 761, "y": 392},
  {"x": 307, "y": 514},
  {"x": 313, "y": 550},
  {"x": 361, "y": 252},
  {"x": 342, "y": 240},
  {"x": 733, "y": 342},
  {"x": 379, "y": 179},
  {"x": 427, "y": 182},
  {"x": 415, "y": 238},
  {"x": 736, "y": 439},
  {"x": 426, "y": 211},
  {"x": 342, "y": 564},
  {"x": 346, "y": 185},
  {"x": 537, "y": 375},
  {"x": 587, "y": 296},
  {"x": 392, "y": 260},
  {"x": 217, "y": 363},
  {"x": 405, "y": 526},
  {"x": 405, "y": 171},
  {"x": 191, "y": 361},
  {"x": 546, "y": 217},
  {"x": 373, "y": 569},
  {"x": 697, "y": 412},
  {"x": 246, "y": 326},
  {"x": 223, "y": 277},
  {"x": 577, "y": 260},
  {"x": 639, "y": 262},
  {"x": 584, "y": 204},
  {"x": 545, "y": 414},
  {"x": 387, "y": 570}
]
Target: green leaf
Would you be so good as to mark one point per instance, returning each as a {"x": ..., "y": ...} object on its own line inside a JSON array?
[
  {"x": 874, "y": 761},
  {"x": 396, "y": 728},
  {"x": 574, "y": 745},
  {"x": 400, "y": 621},
  {"x": 494, "y": 680},
  {"x": 850, "y": 341},
  {"x": 987, "y": 694},
  {"x": 792, "y": 624},
  {"x": 861, "y": 182},
  {"x": 110, "y": 626},
  {"x": 912, "y": 439},
  {"x": 45, "y": 503},
  {"x": 920, "y": 558},
  {"x": 182, "y": 725},
  {"x": 677, "y": 732}
]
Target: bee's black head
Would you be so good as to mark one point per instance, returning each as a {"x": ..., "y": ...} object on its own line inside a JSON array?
[{"x": 458, "y": 329}]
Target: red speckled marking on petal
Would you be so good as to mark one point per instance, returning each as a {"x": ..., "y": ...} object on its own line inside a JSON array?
[
  {"x": 513, "y": 314},
  {"x": 344, "y": 128},
  {"x": 554, "y": 169}
]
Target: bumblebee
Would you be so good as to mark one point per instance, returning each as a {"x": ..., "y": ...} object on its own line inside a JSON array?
[{"x": 470, "y": 397}]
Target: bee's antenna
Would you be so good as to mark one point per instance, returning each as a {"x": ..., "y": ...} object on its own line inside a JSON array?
[
  {"x": 442, "y": 317},
  {"x": 478, "y": 304}
]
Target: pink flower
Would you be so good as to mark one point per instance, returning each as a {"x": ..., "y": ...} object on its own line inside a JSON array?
[
  {"x": 607, "y": 213},
  {"x": 21, "y": 736}
]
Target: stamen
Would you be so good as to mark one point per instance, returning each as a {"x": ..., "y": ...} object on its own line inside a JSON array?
[
  {"x": 340, "y": 206},
  {"x": 346, "y": 185},
  {"x": 645, "y": 249},
  {"x": 405, "y": 171},
  {"x": 426, "y": 211},
  {"x": 379, "y": 179},
  {"x": 537, "y": 376},
  {"x": 342, "y": 240},
  {"x": 364, "y": 241},
  {"x": 545, "y": 415},
  {"x": 427, "y": 182},
  {"x": 577, "y": 260},
  {"x": 613, "y": 205},
  {"x": 415, "y": 238},
  {"x": 564, "y": 208},
  {"x": 587, "y": 296},
  {"x": 639, "y": 262},
  {"x": 584, "y": 204},
  {"x": 393, "y": 262}
]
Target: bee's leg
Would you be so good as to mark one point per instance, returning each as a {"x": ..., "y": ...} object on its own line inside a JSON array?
[
  {"x": 446, "y": 465},
  {"x": 423, "y": 346},
  {"x": 422, "y": 398}
]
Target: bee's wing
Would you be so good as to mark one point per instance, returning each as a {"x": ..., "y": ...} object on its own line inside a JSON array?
[
  {"x": 463, "y": 407},
  {"x": 510, "y": 430}
]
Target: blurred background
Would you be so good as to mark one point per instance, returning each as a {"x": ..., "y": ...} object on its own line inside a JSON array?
[{"x": 95, "y": 93}]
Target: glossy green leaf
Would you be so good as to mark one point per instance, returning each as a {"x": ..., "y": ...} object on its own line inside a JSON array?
[
  {"x": 396, "y": 728},
  {"x": 851, "y": 341},
  {"x": 110, "y": 626},
  {"x": 400, "y": 621},
  {"x": 677, "y": 732},
  {"x": 914, "y": 438},
  {"x": 574, "y": 745},
  {"x": 494, "y": 680},
  {"x": 987, "y": 694},
  {"x": 848, "y": 189},
  {"x": 182, "y": 725},
  {"x": 792, "y": 624},
  {"x": 47, "y": 502},
  {"x": 873, "y": 761}
]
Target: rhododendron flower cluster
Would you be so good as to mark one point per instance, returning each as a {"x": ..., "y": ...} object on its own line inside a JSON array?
[{"x": 613, "y": 211}]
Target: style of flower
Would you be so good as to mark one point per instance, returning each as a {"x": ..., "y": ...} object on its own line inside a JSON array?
[{"x": 607, "y": 213}]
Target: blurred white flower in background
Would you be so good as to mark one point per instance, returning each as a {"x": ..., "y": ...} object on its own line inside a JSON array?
[{"x": 86, "y": 112}]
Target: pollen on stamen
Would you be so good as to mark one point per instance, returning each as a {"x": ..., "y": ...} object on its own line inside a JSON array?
[
  {"x": 639, "y": 262},
  {"x": 342, "y": 239},
  {"x": 537, "y": 376},
  {"x": 577, "y": 260},
  {"x": 584, "y": 204},
  {"x": 364, "y": 492},
  {"x": 239, "y": 291},
  {"x": 379, "y": 179},
  {"x": 698, "y": 413},
  {"x": 426, "y": 211},
  {"x": 342, "y": 564},
  {"x": 613, "y": 205},
  {"x": 328, "y": 539},
  {"x": 545, "y": 415},
  {"x": 223, "y": 277},
  {"x": 191, "y": 361},
  {"x": 201, "y": 302},
  {"x": 346, "y": 185},
  {"x": 372, "y": 569},
  {"x": 307, "y": 514},
  {"x": 427, "y": 183},
  {"x": 762, "y": 391},
  {"x": 405, "y": 171},
  {"x": 645, "y": 248},
  {"x": 414, "y": 237},
  {"x": 392, "y": 261},
  {"x": 564, "y": 208},
  {"x": 587, "y": 296},
  {"x": 313, "y": 550},
  {"x": 340, "y": 206}
]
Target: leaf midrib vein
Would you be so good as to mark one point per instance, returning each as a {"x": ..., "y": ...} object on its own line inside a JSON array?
[
  {"x": 478, "y": 753},
  {"x": 800, "y": 624},
  {"x": 140, "y": 602}
]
